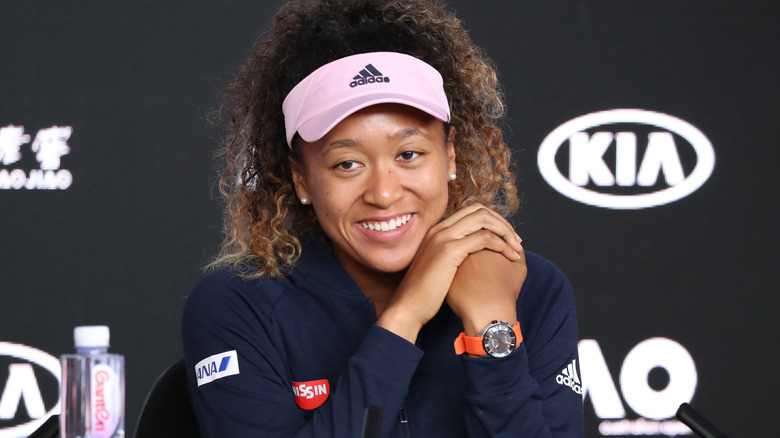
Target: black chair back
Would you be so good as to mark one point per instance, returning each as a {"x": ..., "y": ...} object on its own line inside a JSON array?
[{"x": 167, "y": 411}]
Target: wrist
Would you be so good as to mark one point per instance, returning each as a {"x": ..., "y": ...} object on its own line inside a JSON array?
[
  {"x": 473, "y": 324},
  {"x": 400, "y": 323}
]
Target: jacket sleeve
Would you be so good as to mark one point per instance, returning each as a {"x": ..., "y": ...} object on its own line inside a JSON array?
[
  {"x": 258, "y": 401},
  {"x": 526, "y": 393}
]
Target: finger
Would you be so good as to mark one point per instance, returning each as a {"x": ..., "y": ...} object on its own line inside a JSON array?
[
  {"x": 514, "y": 236},
  {"x": 479, "y": 240},
  {"x": 467, "y": 212},
  {"x": 481, "y": 219},
  {"x": 510, "y": 235},
  {"x": 460, "y": 214}
]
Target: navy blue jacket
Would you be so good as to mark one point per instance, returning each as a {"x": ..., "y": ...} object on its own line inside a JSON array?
[{"x": 301, "y": 356}]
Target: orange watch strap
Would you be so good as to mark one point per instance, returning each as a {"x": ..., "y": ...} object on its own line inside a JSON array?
[{"x": 473, "y": 344}]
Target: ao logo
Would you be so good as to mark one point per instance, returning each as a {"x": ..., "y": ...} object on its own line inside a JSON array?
[
  {"x": 662, "y": 156},
  {"x": 23, "y": 392},
  {"x": 637, "y": 392}
]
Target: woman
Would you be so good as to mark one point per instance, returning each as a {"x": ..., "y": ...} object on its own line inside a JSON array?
[{"x": 367, "y": 261}]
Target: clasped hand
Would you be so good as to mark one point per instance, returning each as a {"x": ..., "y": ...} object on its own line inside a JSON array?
[{"x": 473, "y": 260}]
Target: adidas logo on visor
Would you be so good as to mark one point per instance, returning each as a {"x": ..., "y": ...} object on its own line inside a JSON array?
[{"x": 368, "y": 75}]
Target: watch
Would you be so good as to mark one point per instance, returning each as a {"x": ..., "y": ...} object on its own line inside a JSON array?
[{"x": 499, "y": 339}]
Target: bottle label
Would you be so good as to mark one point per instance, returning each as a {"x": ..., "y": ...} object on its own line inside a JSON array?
[{"x": 105, "y": 400}]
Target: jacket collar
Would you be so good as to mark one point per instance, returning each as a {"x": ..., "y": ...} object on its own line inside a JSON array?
[{"x": 318, "y": 269}]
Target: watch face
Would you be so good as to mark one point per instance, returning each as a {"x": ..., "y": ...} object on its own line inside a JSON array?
[{"x": 499, "y": 340}]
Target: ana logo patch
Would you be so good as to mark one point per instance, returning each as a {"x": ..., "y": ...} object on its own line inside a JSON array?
[
  {"x": 311, "y": 395},
  {"x": 626, "y": 159},
  {"x": 216, "y": 367}
]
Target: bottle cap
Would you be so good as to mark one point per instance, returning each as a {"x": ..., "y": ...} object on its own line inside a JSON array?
[{"x": 91, "y": 336}]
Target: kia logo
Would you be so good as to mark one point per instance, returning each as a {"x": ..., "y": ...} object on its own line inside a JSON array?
[
  {"x": 606, "y": 168},
  {"x": 23, "y": 406}
]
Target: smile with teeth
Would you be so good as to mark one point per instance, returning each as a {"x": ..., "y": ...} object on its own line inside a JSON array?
[{"x": 390, "y": 225}]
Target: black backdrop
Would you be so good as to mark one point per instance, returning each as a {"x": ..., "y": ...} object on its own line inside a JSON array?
[{"x": 125, "y": 241}]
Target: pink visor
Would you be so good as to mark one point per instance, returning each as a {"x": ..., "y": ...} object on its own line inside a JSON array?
[{"x": 337, "y": 89}]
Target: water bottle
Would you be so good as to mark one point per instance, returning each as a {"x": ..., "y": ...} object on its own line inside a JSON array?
[{"x": 93, "y": 387}]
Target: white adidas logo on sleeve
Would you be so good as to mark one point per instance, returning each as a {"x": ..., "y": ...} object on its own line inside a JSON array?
[{"x": 569, "y": 377}]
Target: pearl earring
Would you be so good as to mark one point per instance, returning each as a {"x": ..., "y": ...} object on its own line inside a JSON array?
[
  {"x": 453, "y": 176},
  {"x": 305, "y": 201}
]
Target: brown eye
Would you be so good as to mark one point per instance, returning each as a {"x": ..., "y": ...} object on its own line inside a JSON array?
[
  {"x": 346, "y": 165},
  {"x": 408, "y": 155}
]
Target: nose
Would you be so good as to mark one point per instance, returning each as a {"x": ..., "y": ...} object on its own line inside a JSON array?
[{"x": 383, "y": 188}]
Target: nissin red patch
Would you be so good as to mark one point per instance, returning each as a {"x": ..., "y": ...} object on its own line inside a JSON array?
[{"x": 311, "y": 395}]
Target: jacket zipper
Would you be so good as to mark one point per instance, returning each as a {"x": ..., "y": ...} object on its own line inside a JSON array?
[
  {"x": 402, "y": 420},
  {"x": 404, "y": 423}
]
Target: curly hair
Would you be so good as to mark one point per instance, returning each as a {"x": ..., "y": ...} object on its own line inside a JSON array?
[{"x": 263, "y": 221}]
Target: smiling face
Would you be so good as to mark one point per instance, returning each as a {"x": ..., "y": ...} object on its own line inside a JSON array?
[{"x": 377, "y": 182}]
